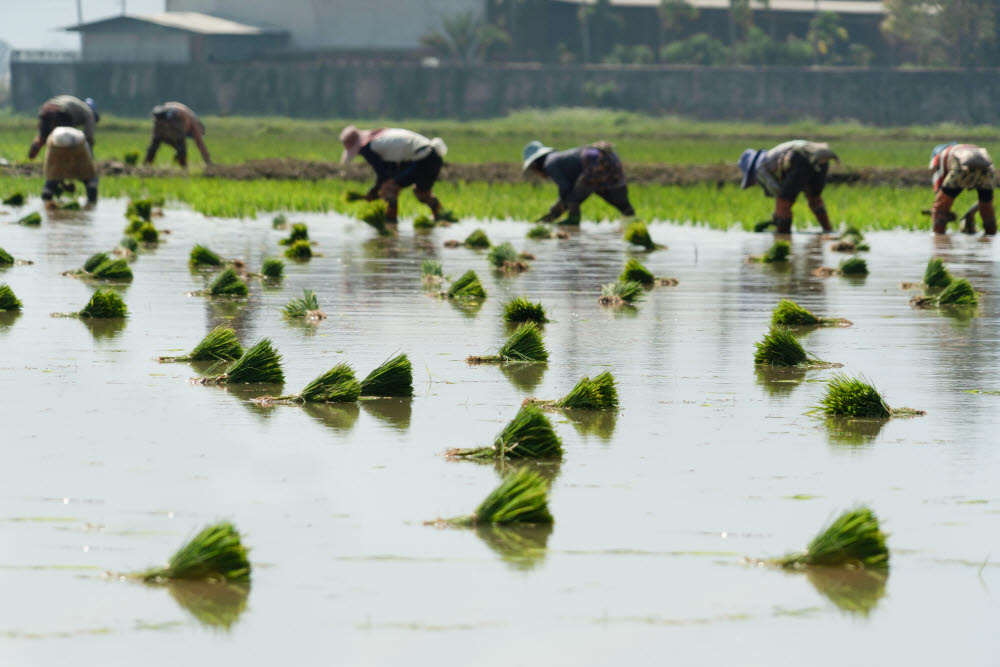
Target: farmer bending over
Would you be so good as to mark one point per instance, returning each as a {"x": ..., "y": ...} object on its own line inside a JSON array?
[
  {"x": 400, "y": 158},
  {"x": 65, "y": 111},
  {"x": 958, "y": 167},
  {"x": 68, "y": 158},
  {"x": 784, "y": 172},
  {"x": 578, "y": 173},
  {"x": 173, "y": 123}
]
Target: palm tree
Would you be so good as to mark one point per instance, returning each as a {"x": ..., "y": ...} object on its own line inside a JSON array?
[{"x": 465, "y": 38}]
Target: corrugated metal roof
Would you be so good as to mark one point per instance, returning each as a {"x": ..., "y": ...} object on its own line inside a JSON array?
[
  {"x": 203, "y": 24},
  {"x": 836, "y": 6}
]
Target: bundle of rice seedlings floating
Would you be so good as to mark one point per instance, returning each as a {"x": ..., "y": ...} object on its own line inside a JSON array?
[
  {"x": 299, "y": 250},
  {"x": 259, "y": 364},
  {"x": 636, "y": 272},
  {"x": 304, "y": 307},
  {"x": 853, "y": 540},
  {"x": 279, "y": 221},
  {"x": 520, "y": 309},
  {"x": 505, "y": 258},
  {"x": 90, "y": 264},
  {"x": 521, "y": 498},
  {"x": 851, "y": 240},
  {"x": 958, "y": 293},
  {"x": 467, "y": 288},
  {"x": 780, "y": 347},
  {"x": 477, "y": 239},
  {"x": 221, "y": 344},
  {"x": 599, "y": 393},
  {"x": 778, "y": 252},
  {"x": 272, "y": 268},
  {"x": 6, "y": 259},
  {"x": 539, "y": 232},
  {"x": 856, "y": 397},
  {"x": 620, "y": 293},
  {"x": 105, "y": 303},
  {"x": 33, "y": 218},
  {"x": 112, "y": 269},
  {"x": 431, "y": 272},
  {"x": 424, "y": 222},
  {"x": 227, "y": 283},
  {"x": 337, "y": 385},
  {"x": 393, "y": 378},
  {"x": 375, "y": 214},
  {"x": 529, "y": 435},
  {"x": 299, "y": 232},
  {"x": 790, "y": 314},
  {"x": 936, "y": 275},
  {"x": 854, "y": 266},
  {"x": 214, "y": 554},
  {"x": 14, "y": 199},
  {"x": 140, "y": 208},
  {"x": 525, "y": 345},
  {"x": 201, "y": 256},
  {"x": 8, "y": 300},
  {"x": 147, "y": 234},
  {"x": 637, "y": 233}
]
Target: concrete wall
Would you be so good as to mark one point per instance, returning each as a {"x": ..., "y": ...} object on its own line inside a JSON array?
[
  {"x": 142, "y": 46},
  {"x": 339, "y": 24},
  {"x": 878, "y": 96}
]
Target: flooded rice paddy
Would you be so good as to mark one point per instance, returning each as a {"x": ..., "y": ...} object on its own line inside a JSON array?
[{"x": 112, "y": 460}]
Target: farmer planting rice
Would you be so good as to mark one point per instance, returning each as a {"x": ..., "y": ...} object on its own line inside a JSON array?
[
  {"x": 786, "y": 170},
  {"x": 579, "y": 173},
  {"x": 68, "y": 158},
  {"x": 173, "y": 123},
  {"x": 958, "y": 167},
  {"x": 65, "y": 111},
  {"x": 400, "y": 158}
]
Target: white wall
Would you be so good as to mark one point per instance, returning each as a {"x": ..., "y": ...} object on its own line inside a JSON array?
[
  {"x": 339, "y": 24},
  {"x": 165, "y": 47}
]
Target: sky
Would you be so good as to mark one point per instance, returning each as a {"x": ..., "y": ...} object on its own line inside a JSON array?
[{"x": 35, "y": 24}]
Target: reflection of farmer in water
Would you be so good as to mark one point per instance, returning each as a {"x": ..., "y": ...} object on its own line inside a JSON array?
[
  {"x": 958, "y": 167},
  {"x": 786, "y": 170},
  {"x": 579, "y": 173},
  {"x": 68, "y": 158},
  {"x": 173, "y": 123}
]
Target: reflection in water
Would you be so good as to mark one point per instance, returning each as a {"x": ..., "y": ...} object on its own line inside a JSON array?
[
  {"x": 600, "y": 423},
  {"x": 524, "y": 376},
  {"x": 217, "y": 605},
  {"x": 247, "y": 392},
  {"x": 7, "y": 318},
  {"x": 467, "y": 308},
  {"x": 305, "y": 326},
  {"x": 393, "y": 411},
  {"x": 340, "y": 417},
  {"x": 959, "y": 316},
  {"x": 846, "y": 431},
  {"x": 779, "y": 381},
  {"x": 546, "y": 469},
  {"x": 222, "y": 310},
  {"x": 854, "y": 591},
  {"x": 101, "y": 328},
  {"x": 521, "y": 547}
]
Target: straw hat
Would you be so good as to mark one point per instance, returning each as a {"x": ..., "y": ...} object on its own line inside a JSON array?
[
  {"x": 533, "y": 151},
  {"x": 354, "y": 140},
  {"x": 749, "y": 161}
]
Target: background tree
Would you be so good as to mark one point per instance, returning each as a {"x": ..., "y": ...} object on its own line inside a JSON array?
[
  {"x": 600, "y": 28},
  {"x": 465, "y": 38},
  {"x": 828, "y": 38},
  {"x": 953, "y": 33}
]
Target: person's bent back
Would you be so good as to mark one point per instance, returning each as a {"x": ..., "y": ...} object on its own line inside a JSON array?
[{"x": 65, "y": 111}]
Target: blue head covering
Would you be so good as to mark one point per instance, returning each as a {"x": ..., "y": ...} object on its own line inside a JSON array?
[
  {"x": 533, "y": 151},
  {"x": 941, "y": 147},
  {"x": 93, "y": 107},
  {"x": 748, "y": 162}
]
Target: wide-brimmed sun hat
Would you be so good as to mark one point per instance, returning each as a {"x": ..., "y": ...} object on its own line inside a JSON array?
[
  {"x": 354, "y": 140},
  {"x": 749, "y": 161},
  {"x": 533, "y": 151}
]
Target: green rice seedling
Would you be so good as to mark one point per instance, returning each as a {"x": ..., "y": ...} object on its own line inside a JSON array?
[
  {"x": 306, "y": 306},
  {"x": 279, "y": 221},
  {"x": 506, "y": 259},
  {"x": 853, "y": 397},
  {"x": 14, "y": 199},
  {"x": 214, "y": 554},
  {"x": 299, "y": 232},
  {"x": 599, "y": 393},
  {"x": 431, "y": 267},
  {"x": 635, "y": 271},
  {"x": 140, "y": 208},
  {"x": 936, "y": 275},
  {"x": 375, "y": 214},
  {"x": 105, "y": 303},
  {"x": 8, "y": 300},
  {"x": 350, "y": 196},
  {"x": 958, "y": 293},
  {"x": 6, "y": 259},
  {"x": 147, "y": 234},
  {"x": 447, "y": 215},
  {"x": 260, "y": 364},
  {"x": 854, "y": 266},
  {"x": 221, "y": 344},
  {"x": 778, "y": 252},
  {"x": 852, "y": 233},
  {"x": 112, "y": 269},
  {"x": 132, "y": 158},
  {"x": 228, "y": 283},
  {"x": 520, "y": 309},
  {"x": 539, "y": 231},
  {"x": 299, "y": 250},
  {"x": 272, "y": 268},
  {"x": 529, "y": 435},
  {"x": 129, "y": 243},
  {"x": 467, "y": 287},
  {"x": 33, "y": 218},
  {"x": 780, "y": 347},
  {"x": 337, "y": 385},
  {"x": 477, "y": 239},
  {"x": 853, "y": 540},
  {"x": 424, "y": 222},
  {"x": 521, "y": 498},
  {"x": 620, "y": 293},
  {"x": 790, "y": 314},
  {"x": 524, "y": 345},
  {"x": 637, "y": 233},
  {"x": 134, "y": 224},
  {"x": 393, "y": 378},
  {"x": 95, "y": 261},
  {"x": 71, "y": 205},
  {"x": 201, "y": 256}
]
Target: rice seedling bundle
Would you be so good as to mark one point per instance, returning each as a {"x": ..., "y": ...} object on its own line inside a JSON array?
[
  {"x": 279, "y": 221},
  {"x": 520, "y": 309},
  {"x": 71, "y": 205},
  {"x": 620, "y": 292},
  {"x": 112, "y": 269},
  {"x": 539, "y": 231},
  {"x": 423, "y": 222},
  {"x": 853, "y": 397},
  {"x": 6, "y": 259},
  {"x": 853, "y": 540},
  {"x": 431, "y": 267},
  {"x": 299, "y": 232},
  {"x": 203, "y": 256},
  {"x": 134, "y": 224},
  {"x": 272, "y": 268},
  {"x": 95, "y": 261},
  {"x": 636, "y": 272},
  {"x": 300, "y": 250},
  {"x": 779, "y": 347},
  {"x": 132, "y": 158},
  {"x": 854, "y": 266},
  {"x": 33, "y": 218},
  {"x": 778, "y": 252},
  {"x": 477, "y": 239},
  {"x": 228, "y": 283},
  {"x": 105, "y": 303},
  {"x": 221, "y": 344},
  {"x": 790, "y": 314},
  {"x": 375, "y": 214},
  {"x": 467, "y": 287},
  {"x": 8, "y": 300},
  {"x": 599, "y": 393},
  {"x": 502, "y": 255},
  {"x": 337, "y": 385},
  {"x": 521, "y": 498},
  {"x": 350, "y": 196},
  {"x": 258, "y": 364},
  {"x": 447, "y": 215},
  {"x": 936, "y": 274},
  {"x": 393, "y": 378},
  {"x": 524, "y": 345},
  {"x": 140, "y": 208},
  {"x": 14, "y": 199},
  {"x": 306, "y": 306},
  {"x": 129, "y": 243},
  {"x": 214, "y": 554},
  {"x": 958, "y": 293},
  {"x": 637, "y": 233},
  {"x": 529, "y": 435},
  {"x": 147, "y": 233}
]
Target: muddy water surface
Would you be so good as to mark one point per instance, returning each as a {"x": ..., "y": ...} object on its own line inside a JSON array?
[{"x": 112, "y": 459}]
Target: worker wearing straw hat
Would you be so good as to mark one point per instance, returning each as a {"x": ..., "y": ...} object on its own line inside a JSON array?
[
  {"x": 958, "y": 167},
  {"x": 65, "y": 111},
  {"x": 400, "y": 158},
  {"x": 173, "y": 123},
  {"x": 579, "y": 173},
  {"x": 786, "y": 170},
  {"x": 68, "y": 158}
]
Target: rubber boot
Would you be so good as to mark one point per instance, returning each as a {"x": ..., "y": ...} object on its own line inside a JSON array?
[
  {"x": 941, "y": 212},
  {"x": 818, "y": 208},
  {"x": 782, "y": 216},
  {"x": 989, "y": 216}
]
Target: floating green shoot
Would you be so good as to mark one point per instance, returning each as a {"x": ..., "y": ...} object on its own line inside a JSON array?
[
  {"x": 520, "y": 309},
  {"x": 105, "y": 303},
  {"x": 599, "y": 393},
  {"x": 431, "y": 267},
  {"x": 129, "y": 243},
  {"x": 8, "y": 300},
  {"x": 214, "y": 554},
  {"x": 306, "y": 306},
  {"x": 147, "y": 233},
  {"x": 637, "y": 233},
  {"x": 33, "y": 218},
  {"x": 778, "y": 252},
  {"x": 272, "y": 268},
  {"x": 636, "y": 272},
  {"x": 14, "y": 199},
  {"x": 539, "y": 232},
  {"x": 201, "y": 256},
  {"x": 299, "y": 232},
  {"x": 259, "y": 364},
  {"x": 228, "y": 283},
  {"x": 529, "y": 435},
  {"x": 780, "y": 347},
  {"x": 620, "y": 293},
  {"x": 958, "y": 293},
  {"x": 376, "y": 215},
  {"x": 477, "y": 239},
  {"x": 393, "y": 378},
  {"x": 423, "y": 222},
  {"x": 337, "y": 385},
  {"x": 790, "y": 314},
  {"x": 524, "y": 345},
  {"x": 112, "y": 269},
  {"x": 467, "y": 287},
  {"x": 854, "y": 266},
  {"x": 521, "y": 498},
  {"x": 853, "y": 540},
  {"x": 95, "y": 261},
  {"x": 853, "y": 397},
  {"x": 299, "y": 250},
  {"x": 936, "y": 275},
  {"x": 6, "y": 259},
  {"x": 140, "y": 208},
  {"x": 221, "y": 344},
  {"x": 503, "y": 255}
]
